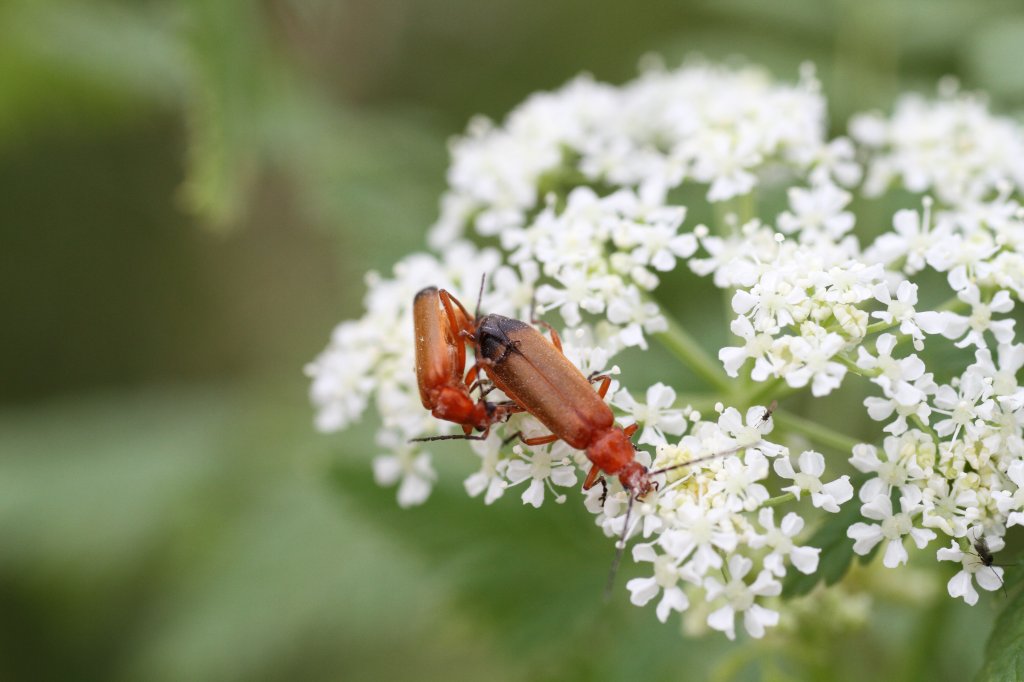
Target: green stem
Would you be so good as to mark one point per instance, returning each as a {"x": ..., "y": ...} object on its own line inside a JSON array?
[
  {"x": 701, "y": 403},
  {"x": 925, "y": 427},
  {"x": 879, "y": 326},
  {"x": 954, "y": 304},
  {"x": 746, "y": 207},
  {"x": 776, "y": 389},
  {"x": 730, "y": 216},
  {"x": 852, "y": 366},
  {"x": 815, "y": 432},
  {"x": 781, "y": 499},
  {"x": 951, "y": 304},
  {"x": 685, "y": 347}
]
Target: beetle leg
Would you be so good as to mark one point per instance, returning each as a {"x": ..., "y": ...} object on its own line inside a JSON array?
[
  {"x": 506, "y": 409},
  {"x": 606, "y": 382},
  {"x": 630, "y": 430},
  {"x": 484, "y": 387},
  {"x": 594, "y": 478},
  {"x": 455, "y": 328},
  {"x": 539, "y": 440},
  {"x": 508, "y": 350},
  {"x": 474, "y": 383},
  {"x": 556, "y": 340}
]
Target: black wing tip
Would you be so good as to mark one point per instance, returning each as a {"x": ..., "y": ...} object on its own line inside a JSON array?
[{"x": 426, "y": 291}]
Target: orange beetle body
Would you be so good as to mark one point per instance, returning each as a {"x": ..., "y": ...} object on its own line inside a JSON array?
[
  {"x": 542, "y": 381},
  {"x": 441, "y": 326}
]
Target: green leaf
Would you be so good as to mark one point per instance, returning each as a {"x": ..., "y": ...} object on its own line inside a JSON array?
[
  {"x": 532, "y": 574},
  {"x": 529, "y": 580},
  {"x": 1004, "y": 654},
  {"x": 836, "y": 553},
  {"x": 233, "y": 69}
]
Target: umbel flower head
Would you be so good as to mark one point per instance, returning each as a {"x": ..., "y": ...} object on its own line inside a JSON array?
[{"x": 573, "y": 209}]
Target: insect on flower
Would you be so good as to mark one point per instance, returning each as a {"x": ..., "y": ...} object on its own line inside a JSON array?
[
  {"x": 768, "y": 412},
  {"x": 441, "y": 326},
  {"x": 537, "y": 376},
  {"x": 533, "y": 372},
  {"x": 987, "y": 559}
]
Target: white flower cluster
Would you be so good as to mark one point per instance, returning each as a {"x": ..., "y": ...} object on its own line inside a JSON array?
[
  {"x": 577, "y": 197},
  {"x": 708, "y": 528},
  {"x": 809, "y": 309},
  {"x": 706, "y": 124},
  {"x": 953, "y": 147}
]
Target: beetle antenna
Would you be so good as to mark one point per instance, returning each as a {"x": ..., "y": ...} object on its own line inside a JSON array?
[
  {"x": 699, "y": 460},
  {"x": 453, "y": 437},
  {"x": 480, "y": 296},
  {"x": 991, "y": 567},
  {"x": 620, "y": 547}
]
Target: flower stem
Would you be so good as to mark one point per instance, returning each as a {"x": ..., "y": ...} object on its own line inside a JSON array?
[
  {"x": 953, "y": 304},
  {"x": 701, "y": 403},
  {"x": 776, "y": 389},
  {"x": 685, "y": 347},
  {"x": 924, "y": 426},
  {"x": 852, "y": 366},
  {"x": 815, "y": 432},
  {"x": 776, "y": 501},
  {"x": 879, "y": 326}
]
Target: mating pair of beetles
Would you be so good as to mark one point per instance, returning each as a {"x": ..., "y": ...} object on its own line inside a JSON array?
[{"x": 532, "y": 372}]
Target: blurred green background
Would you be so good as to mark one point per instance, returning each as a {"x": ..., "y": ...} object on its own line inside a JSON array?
[{"x": 191, "y": 194}]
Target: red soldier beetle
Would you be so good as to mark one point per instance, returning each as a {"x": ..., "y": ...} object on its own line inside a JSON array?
[
  {"x": 441, "y": 325},
  {"x": 537, "y": 376}
]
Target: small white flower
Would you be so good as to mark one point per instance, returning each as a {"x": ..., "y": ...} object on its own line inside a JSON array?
[
  {"x": 749, "y": 431},
  {"x": 737, "y": 482},
  {"x": 972, "y": 568},
  {"x": 948, "y": 506},
  {"x": 771, "y": 303},
  {"x": 894, "y": 375},
  {"x": 411, "y": 470},
  {"x": 911, "y": 238},
  {"x": 638, "y": 317},
  {"x": 725, "y": 160},
  {"x": 900, "y": 309},
  {"x": 827, "y": 496},
  {"x": 893, "y": 528},
  {"x": 899, "y": 469},
  {"x": 541, "y": 471},
  {"x": 667, "y": 575},
  {"x": 953, "y": 326},
  {"x": 780, "y": 540},
  {"x": 699, "y": 532},
  {"x": 1012, "y": 503},
  {"x": 817, "y": 367},
  {"x": 740, "y": 597},
  {"x": 490, "y": 478},
  {"x": 758, "y": 346},
  {"x": 655, "y": 415},
  {"x": 579, "y": 290},
  {"x": 818, "y": 210},
  {"x": 963, "y": 407}
]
